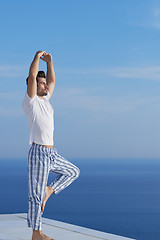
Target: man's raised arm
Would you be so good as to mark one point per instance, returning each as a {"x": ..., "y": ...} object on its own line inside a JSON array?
[
  {"x": 50, "y": 72},
  {"x": 33, "y": 71}
]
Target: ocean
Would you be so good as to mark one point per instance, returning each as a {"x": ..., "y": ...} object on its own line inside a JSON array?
[{"x": 118, "y": 196}]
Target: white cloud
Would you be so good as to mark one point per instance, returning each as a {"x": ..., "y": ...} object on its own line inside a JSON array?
[
  {"x": 151, "y": 73},
  {"x": 10, "y": 112},
  {"x": 81, "y": 99},
  {"x": 12, "y": 70},
  {"x": 97, "y": 109},
  {"x": 151, "y": 18},
  {"x": 16, "y": 95},
  {"x": 11, "y": 104},
  {"x": 156, "y": 18}
]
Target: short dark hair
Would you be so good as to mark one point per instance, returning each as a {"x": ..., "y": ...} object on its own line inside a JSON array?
[{"x": 40, "y": 74}]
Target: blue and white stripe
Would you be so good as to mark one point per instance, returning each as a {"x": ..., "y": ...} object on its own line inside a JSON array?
[{"x": 42, "y": 160}]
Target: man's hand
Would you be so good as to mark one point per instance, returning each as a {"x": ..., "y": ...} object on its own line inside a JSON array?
[
  {"x": 46, "y": 57},
  {"x": 40, "y": 53}
]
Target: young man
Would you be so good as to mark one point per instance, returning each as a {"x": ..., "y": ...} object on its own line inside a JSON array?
[{"x": 42, "y": 156}]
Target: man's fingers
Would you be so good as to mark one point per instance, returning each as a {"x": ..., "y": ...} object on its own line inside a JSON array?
[
  {"x": 45, "y": 53},
  {"x": 41, "y": 53},
  {"x": 42, "y": 59},
  {"x": 46, "y": 57}
]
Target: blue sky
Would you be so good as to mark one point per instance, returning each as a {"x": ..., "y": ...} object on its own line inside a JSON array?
[{"x": 106, "y": 57}]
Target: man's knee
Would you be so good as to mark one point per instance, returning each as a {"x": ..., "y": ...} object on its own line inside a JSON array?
[{"x": 77, "y": 172}]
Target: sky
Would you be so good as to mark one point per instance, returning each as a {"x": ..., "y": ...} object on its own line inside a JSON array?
[{"x": 106, "y": 57}]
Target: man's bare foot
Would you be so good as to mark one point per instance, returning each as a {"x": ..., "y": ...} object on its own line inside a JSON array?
[
  {"x": 46, "y": 237},
  {"x": 39, "y": 235},
  {"x": 48, "y": 193}
]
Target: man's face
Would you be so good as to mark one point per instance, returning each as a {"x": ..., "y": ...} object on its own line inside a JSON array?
[{"x": 42, "y": 87}]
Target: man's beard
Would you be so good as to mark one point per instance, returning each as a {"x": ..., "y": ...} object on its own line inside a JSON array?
[{"x": 42, "y": 93}]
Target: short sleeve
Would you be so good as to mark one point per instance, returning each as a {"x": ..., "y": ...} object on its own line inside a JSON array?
[{"x": 27, "y": 102}]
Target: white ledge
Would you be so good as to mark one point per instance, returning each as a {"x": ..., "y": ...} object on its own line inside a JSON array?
[{"x": 14, "y": 226}]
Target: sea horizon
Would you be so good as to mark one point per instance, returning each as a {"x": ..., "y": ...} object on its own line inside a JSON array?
[{"x": 115, "y": 196}]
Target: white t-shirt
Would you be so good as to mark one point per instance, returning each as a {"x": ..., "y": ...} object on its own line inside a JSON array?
[{"x": 39, "y": 113}]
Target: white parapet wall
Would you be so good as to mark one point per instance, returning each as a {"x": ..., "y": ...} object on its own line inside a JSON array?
[{"x": 14, "y": 226}]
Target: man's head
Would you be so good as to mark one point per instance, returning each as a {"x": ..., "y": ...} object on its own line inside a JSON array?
[{"x": 42, "y": 85}]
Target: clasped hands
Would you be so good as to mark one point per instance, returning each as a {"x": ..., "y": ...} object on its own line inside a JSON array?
[{"x": 46, "y": 57}]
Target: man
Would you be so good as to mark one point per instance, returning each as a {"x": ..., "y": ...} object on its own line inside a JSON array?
[{"x": 42, "y": 156}]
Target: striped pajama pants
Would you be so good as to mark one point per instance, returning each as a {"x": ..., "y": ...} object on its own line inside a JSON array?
[{"x": 42, "y": 160}]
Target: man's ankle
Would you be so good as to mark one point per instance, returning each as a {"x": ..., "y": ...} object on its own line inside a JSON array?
[{"x": 36, "y": 231}]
